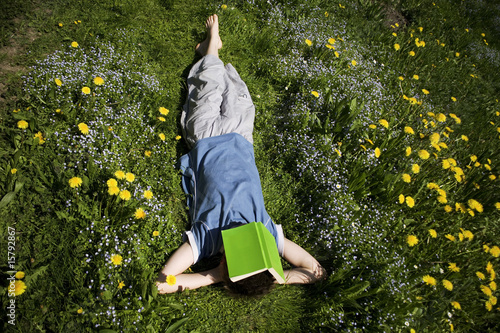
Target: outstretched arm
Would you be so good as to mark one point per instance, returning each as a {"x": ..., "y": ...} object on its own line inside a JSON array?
[
  {"x": 181, "y": 260},
  {"x": 307, "y": 269}
]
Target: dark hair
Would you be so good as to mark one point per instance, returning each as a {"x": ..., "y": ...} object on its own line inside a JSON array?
[{"x": 255, "y": 285}]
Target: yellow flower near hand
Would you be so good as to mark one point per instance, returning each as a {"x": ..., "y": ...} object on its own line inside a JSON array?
[
  {"x": 75, "y": 182},
  {"x": 171, "y": 280}
]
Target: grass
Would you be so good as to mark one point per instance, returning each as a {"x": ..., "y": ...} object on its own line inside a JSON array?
[{"x": 349, "y": 103}]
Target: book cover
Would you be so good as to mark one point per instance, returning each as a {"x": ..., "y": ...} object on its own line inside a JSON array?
[{"x": 251, "y": 249}]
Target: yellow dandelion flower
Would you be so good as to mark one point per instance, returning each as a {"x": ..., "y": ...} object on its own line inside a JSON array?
[
  {"x": 148, "y": 194},
  {"x": 415, "y": 168},
  {"x": 486, "y": 290},
  {"x": 460, "y": 207},
  {"x": 497, "y": 205},
  {"x": 456, "y": 305},
  {"x": 336, "y": 54},
  {"x": 384, "y": 123},
  {"x": 22, "y": 124},
  {"x": 130, "y": 177},
  {"x": 401, "y": 78},
  {"x": 411, "y": 53},
  {"x": 465, "y": 138},
  {"x": 147, "y": 153},
  {"x": 487, "y": 167},
  {"x": 434, "y": 138},
  {"x": 19, "y": 287},
  {"x": 450, "y": 237},
  {"x": 112, "y": 182},
  {"x": 495, "y": 251},
  {"x": 86, "y": 90},
  {"x": 493, "y": 300},
  {"x": 39, "y": 135},
  {"x": 113, "y": 190},
  {"x": 116, "y": 259},
  {"x": 412, "y": 240},
  {"x": 433, "y": 233},
  {"x": 448, "y": 285},
  {"x": 80, "y": 310},
  {"x": 401, "y": 198},
  {"x": 409, "y": 130},
  {"x": 163, "y": 111},
  {"x": 443, "y": 145},
  {"x": 452, "y": 161},
  {"x": 162, "y": 136},
  {"x": 429, "y": 280},
  {"x": 139, "y": 213},
  {"x": 471, "y": 212},
  {"x": 425, "y": 91},
  {"x": 408, "y": 151},
  {"x": 441, "y": 192},
  {"x": 120, "y": 174},
  {"x": 468, "y": 234},
  {"x": 315, "y": 93},
  {"x": 406, "y": 178},
  {"x": 156, "y": 233},
  {"x": 58, "y": 81},
  {"x": 441, "y": 199},
  {"x": 74, "y": 44},
  {"x": 377, "y": 152},
  {"x": 473, "y": 204},
  {"x": 488, "y": 305},
  {"x": 75, "y": 182},
  {"x": 448, "y": 208},
  {"x": 397, "y": 47},
  {"x": 20, "y": 275},
  {"x": 489, "y": 265},
  {"x": 84, "y": 129},
  {"x": 125, "y": 195},
  {"x": 162, "y": 119},
  {"x": 223, "y": 7},
  {"x": 178, "y": 137},
  {"x": 453, "y": 99},
  {"x": 492, "y": 177},
  {"x": 441, "y": 117},
  {"x": 415, "y": 77},
  {"x": 121, "y": 284},
  {"x": 331, "y": 41},
  {"x": 410, "y": 202},
  {"x": 432, "y": 186},
  {"x": 493, "y": 285},
  {"x": 171, "y": 280},
  {"x": 308, "y": 42},
  {"x": 423, "y": 154},
  {"x": 480, "y": 275},
  {"x": 461, "y": 237},
  {"x": 354, "y": 63},
  {"x": 98, "y": 81},
  {"x": 453, "y": 267}
]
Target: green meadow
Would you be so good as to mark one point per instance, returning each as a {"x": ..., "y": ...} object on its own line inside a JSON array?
[{"x": 377, "y": 139}]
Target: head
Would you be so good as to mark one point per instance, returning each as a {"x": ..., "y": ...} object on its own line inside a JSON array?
[{"x": 255, "y": 285}]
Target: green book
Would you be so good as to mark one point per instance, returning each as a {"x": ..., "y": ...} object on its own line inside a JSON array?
[{"x": 251, "y": 249}]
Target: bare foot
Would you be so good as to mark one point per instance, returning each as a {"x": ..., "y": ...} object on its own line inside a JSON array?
[{"x": 212, "y": 44}]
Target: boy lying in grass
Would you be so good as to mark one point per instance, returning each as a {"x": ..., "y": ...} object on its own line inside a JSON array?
[{"x": 221, "y": 179}]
